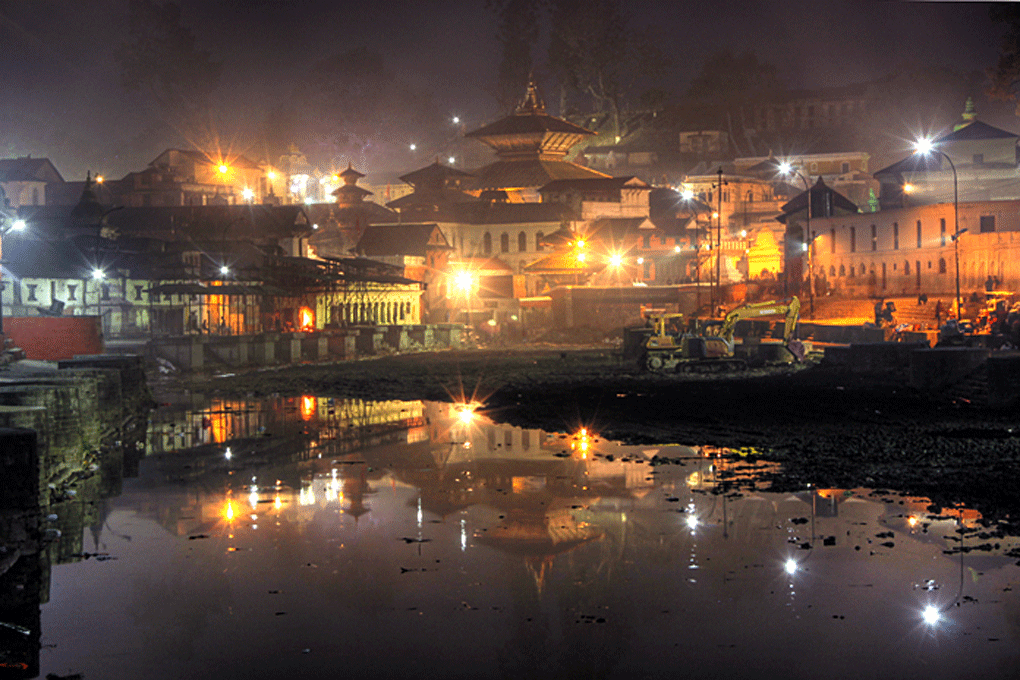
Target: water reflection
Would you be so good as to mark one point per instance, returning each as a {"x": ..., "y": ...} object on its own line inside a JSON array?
[{"x": 381, "y": 537}]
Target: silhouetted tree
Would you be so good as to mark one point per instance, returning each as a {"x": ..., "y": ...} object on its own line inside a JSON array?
[
  {"x": 732, "y": 85},
  {"x": 593, "y": 52},
  {"x": 1005, "y": 75},
  {"x": 517, "y": 32}
]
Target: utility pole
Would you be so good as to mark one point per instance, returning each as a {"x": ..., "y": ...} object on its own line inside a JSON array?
[{"x": 718, "y": 238}]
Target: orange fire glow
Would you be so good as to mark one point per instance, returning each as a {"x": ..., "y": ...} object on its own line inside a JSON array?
[
  {"x": 307, "y": 318},
  {"x": 308, "y": 406}
]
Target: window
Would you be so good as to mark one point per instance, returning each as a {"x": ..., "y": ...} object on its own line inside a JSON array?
[
  {"x": 72, "y": 290},
  {"x": 987, "y": 223},
  {"x": 538, "y": 241},
  {"x": 648, "y": 269},
  {"x": 35, "y": 196},
  {"x": 646, "y": 241},
  {"x": 522, "y": 242},
  {"x": 906, "y": 267},
  {"x": 853, "y": 239},
  {"x": 832, "y": 240},
  {"x": 845, "y": 168},
  {"x": 138, "y": 292},
  {"x": 942, "y": 230},
  {"x": 832, "y": 270},
  {"x": 874, "y": 237},
  {"x": 942, "y": 265},
  {"x": 504, "y": 243},
  {"x": 842, "y": 270},
  {"x": 31, "y": 292},
  {"x": 919, "y": 233},
  {"x": 487, "y": 243},
  {"x": 896, "y": 235},
  {"x": 863, "y": 270},
  {"x": 853, "y": 271}
]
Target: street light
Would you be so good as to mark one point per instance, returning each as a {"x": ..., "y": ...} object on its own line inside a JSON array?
[
  {"x": 787, "y": 169},
  {"x": 15, "y": 225},
  {"x": 465, "y": 283},
  {"x": 923, "y": 147}
]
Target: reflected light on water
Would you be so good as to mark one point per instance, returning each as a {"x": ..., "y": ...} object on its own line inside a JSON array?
[
  {"x": 228, "y": 511},
  {"x": 790, "y": 566},
  {"x": 931, "y": 615},
  {"x": 692, "y": 522}
]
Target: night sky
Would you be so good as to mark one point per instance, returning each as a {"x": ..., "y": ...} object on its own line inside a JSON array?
[{"x": 63, "y": 99}]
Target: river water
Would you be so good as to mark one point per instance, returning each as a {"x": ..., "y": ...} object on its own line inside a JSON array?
[{"x": 313, "y": 538}]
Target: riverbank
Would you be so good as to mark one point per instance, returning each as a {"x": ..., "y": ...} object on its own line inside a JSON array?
[{"x": 828, "y": 427}]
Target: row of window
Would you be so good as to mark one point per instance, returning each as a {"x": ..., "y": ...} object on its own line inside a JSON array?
[
  {"x": 986, "y": 225},
  {"x": 862, "y": 270},
  {"x": 504, "y": 242}
]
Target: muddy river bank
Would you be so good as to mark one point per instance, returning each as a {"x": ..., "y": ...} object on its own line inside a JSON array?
[{"x": 828, "y": 428}]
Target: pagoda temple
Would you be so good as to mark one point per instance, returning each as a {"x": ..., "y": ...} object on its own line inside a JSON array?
[{"x": 532, "y": 147}]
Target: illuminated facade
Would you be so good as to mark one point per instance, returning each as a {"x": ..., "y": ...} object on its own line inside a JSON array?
[{"x": 907, "y": 251}]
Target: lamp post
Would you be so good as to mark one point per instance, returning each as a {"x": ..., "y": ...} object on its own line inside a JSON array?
[
  {"x": 787, "y": 169},
  {"x": 688, "y": 197},
  {"x": 924, "y": 147},
  {"x": 718, "y": 238},
  {"x": 15, "y": 225}
]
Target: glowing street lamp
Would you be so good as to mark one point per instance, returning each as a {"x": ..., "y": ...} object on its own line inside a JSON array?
[
  {"x": 922, "y": 148},
  {"x": 15, "y": 225},
  {"x": 248, "y": 194},
  {"x": 223, "y": 169}
]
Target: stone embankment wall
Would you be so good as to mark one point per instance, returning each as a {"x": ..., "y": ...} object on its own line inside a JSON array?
[
  {"x": 67, "y": 438},
  {"x": 217, "y": 352}
]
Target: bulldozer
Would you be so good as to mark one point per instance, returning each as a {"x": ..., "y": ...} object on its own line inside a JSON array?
[{"x": 675, "y": 346}]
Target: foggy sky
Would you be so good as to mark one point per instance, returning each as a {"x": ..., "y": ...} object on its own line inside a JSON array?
[{"x": 64, "y": 100}]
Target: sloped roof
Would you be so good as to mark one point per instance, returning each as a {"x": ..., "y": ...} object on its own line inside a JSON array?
[
  {"x": 916, "y": 162},
  {"x": 381, "y": 240},
  {"x": 433, "y": 175},
  {"x": 974, "y": 131},
  {"x": 526, "y": 173},
  {"x": 561, "y": 263},
  {"x": 825, "y": 202},
  {"x": 427, "y": 197},
  {"x": 591, "y": 184},
  {"x": 28, "y": 169},
  {"x": 528, "y": 123}
]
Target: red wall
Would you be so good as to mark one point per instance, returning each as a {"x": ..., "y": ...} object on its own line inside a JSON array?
[{"x": 47, "y": 338}]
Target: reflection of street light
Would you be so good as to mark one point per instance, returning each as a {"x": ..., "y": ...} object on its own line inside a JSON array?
[
  {"x": 923, "y": 147},
  {"x": 787, "y": 169}
]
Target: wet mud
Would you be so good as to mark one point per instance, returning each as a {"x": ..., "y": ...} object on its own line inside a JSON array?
[{"x": 829, "y": 428}]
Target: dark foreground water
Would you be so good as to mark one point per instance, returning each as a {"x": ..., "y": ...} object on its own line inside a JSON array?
[{"x": 308, "y": 538}]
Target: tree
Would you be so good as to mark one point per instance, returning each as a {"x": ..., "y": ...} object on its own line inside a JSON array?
[
  {"x": 593, "y": 52},
  {"x": 160, "y": 58},
  {"x": 351, "y": 108},
  {"x": 1005, "y": 75},
  {"x": 517, "y": 31},
  {"x": 732, "y": 85}
]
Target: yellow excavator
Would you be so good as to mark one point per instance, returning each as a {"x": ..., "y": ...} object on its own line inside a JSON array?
[{"x": 675, "y": 346}]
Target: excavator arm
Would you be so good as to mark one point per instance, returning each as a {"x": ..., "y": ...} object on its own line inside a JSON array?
[{"x": 790, "y": 307}]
